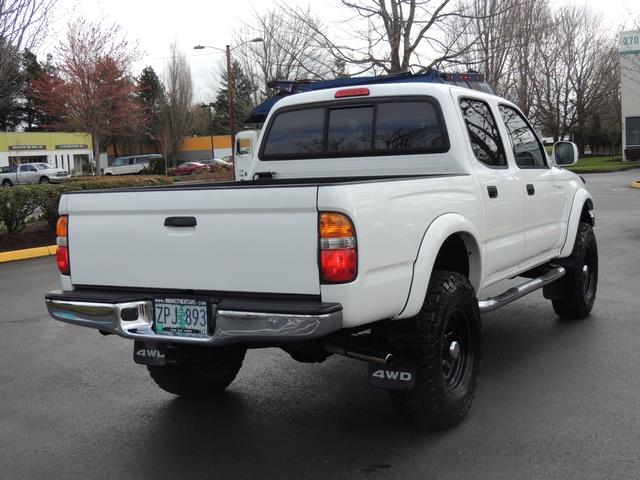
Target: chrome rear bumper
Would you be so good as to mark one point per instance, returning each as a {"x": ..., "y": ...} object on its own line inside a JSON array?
[{"x": 229, "y": 326}]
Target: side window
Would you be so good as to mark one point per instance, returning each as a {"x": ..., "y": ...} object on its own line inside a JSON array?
[
  {"x": 296, "y": 132},
  {"x": 527, "y": 150},
  {"x": 483, "y": 133},
  {"x": 407, "y": 126}
]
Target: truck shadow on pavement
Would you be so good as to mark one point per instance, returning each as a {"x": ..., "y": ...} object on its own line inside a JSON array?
[{"x": 303, "y": 418}]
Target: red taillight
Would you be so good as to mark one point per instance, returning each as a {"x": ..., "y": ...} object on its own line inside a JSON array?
[
  {"x": 339, "y": 265},
  {"x": 352, "y": 92},
  {"x": 338, "y": 253},
  {"x": 62, "y": 258},
  {"x": 62, "y": 253}
]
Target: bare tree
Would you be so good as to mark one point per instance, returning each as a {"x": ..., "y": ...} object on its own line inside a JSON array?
[
  {"x": 491, "y": 35},
  {"x": 178, "y": 98},
  {"x": 575, "y": 71},
  {"x": 23, "y": 23},
  {"x": 289, "y": 50},
  {"x": 394, "y": 36}
]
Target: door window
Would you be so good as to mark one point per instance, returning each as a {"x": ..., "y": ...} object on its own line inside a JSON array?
[
  {"x": 483, "y": 133},
  {"x": 527, "y": 150}
]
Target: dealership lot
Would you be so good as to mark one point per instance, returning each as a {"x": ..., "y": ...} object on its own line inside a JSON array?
[{"x": 556, "y": 399}]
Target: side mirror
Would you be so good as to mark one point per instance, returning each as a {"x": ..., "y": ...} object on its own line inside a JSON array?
[{"x": 565, "y": 153}]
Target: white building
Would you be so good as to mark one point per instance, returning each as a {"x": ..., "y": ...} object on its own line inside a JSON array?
[{"x": 630, "y": 91}]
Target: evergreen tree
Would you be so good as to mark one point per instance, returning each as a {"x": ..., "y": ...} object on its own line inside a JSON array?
[
  {"x": 151, "y": 96},
  {"x": 11, "y": 86},
  {"x": 34, "y": 117},
  {"x": 242, "y": 98}
]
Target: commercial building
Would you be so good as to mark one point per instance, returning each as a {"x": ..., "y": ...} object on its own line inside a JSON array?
[
  {"x": 69, "y": 151},
  {"x": 199, "y": 148},
  {"x": 630, "y": 93}
]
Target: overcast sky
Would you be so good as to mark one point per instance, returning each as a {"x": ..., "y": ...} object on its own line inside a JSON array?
[{"x": 155, "y": 24}]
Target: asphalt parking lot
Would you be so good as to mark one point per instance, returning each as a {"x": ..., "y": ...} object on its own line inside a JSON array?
[{"x": 556, "y": 399}]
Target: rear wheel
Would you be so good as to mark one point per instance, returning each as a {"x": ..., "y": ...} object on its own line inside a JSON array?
[
  {"x": 579, "y": 285},
  {"x": 6, "y": 183},
  {"x": 207, "y": 376},
  {"x": 448, "y": 354}
]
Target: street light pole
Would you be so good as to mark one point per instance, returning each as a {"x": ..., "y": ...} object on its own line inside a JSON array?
[
  {"x": 230, "y": 96},
  {"x": 209, "y": 106},
  {"x": 232, "y": 116}
]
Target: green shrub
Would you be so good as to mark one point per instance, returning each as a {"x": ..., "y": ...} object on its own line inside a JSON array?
[
  {"x": 47, "y": 198},
  {"x": 156, "y": 166},
  {"x": 17, "y": 205}
]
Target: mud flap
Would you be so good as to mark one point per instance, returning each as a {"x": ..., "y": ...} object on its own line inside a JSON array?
[
  {"x": 400, "y": 375},
  {"x": 149, "y": 353}
]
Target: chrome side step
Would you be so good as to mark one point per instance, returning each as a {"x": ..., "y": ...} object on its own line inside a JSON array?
[{"x": 514, "y": 293}]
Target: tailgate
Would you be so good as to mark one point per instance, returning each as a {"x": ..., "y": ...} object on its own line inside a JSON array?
[{"x": 246, "y": 239}]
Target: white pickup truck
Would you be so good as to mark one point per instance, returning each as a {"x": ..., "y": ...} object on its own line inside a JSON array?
[
  {"x": 31, "y": 173},
  {"x": 375, "y": 216}
]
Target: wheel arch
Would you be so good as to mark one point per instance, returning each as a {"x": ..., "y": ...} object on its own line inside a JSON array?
[
  {"x": 581, "y": 211},
  {"x": 449, "y": 243}
]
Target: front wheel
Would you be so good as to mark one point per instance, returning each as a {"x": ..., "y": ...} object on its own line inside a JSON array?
[
  {"x": 448, "y": 353},
  {"x": 6, "y": 183},
  {"x": 580, "y": 283},
  {"x": 44, "y": 180},
  {"x": 210, "y": 374}
]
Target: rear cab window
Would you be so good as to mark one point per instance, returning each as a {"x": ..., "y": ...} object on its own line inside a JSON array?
[{"x": 352, "y": 128}]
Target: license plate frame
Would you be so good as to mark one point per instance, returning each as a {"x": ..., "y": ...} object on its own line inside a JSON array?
[{"x": 181, "y": 316}]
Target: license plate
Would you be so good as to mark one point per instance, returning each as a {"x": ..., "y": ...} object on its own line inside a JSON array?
[{"x": 181, "y": 317}]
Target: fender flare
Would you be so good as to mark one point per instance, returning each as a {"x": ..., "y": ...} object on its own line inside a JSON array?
[
  {"x": 434, "y": 237},
  {"x": 581, "y": 197}
]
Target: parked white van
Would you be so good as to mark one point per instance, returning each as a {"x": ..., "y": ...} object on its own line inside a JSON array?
[{"x": 130, "y": 165}]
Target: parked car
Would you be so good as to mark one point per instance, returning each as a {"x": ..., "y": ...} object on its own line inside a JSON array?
[
  {"x": 189, "y": 168},
  {"x": 130, "y": 165},
  {"x": 212, "y": 163},
  {"x": 31, "y": 173},
  {"x": 377, "y": 216}
]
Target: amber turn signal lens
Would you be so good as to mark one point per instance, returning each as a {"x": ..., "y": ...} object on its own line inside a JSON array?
[
  {"x": 334, "y": 225},
  {"x": 62, "y": 229}
]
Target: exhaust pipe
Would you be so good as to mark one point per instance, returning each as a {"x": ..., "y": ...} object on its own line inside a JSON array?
[{"x": 359, "y": 353}]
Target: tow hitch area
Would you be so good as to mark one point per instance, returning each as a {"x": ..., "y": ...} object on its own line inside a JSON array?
[
  {"x": 149, "y": 353},
  {"x": 398, "y": 375}
]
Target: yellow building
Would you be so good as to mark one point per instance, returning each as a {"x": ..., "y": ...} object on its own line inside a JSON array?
[
  {"x": 69, "y": 151},
  {"x": 199, "y": 148}
]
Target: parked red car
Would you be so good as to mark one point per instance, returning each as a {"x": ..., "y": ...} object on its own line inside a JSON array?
[{"x": 188, "y": 168}]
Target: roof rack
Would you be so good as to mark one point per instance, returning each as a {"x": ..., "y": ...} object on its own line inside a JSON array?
[{"x": 471, "y": 79}]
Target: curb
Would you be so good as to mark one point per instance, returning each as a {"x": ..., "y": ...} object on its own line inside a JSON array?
[
  {"x": 27, "y": 253},
  {"x": 635, "y": 184}
]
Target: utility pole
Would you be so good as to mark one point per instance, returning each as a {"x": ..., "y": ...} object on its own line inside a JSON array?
[
  {"x": 232, "y": 123},
  {"x": 210, "y": 106}
]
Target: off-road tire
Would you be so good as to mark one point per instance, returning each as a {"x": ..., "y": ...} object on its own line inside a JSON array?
[
  {"x": 198, "y": 379},
  {"x": 436, "y": 401},
  {"x": 578, "y": 287}
]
